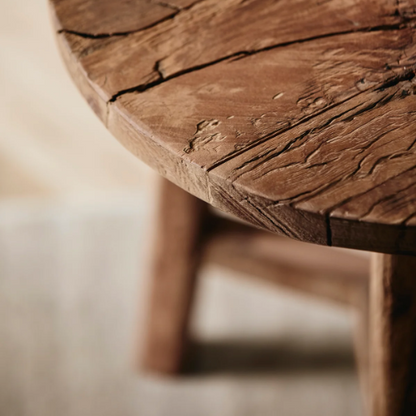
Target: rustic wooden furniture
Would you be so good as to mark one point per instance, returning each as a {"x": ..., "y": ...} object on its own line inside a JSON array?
[{"x": 295, "y": 116}]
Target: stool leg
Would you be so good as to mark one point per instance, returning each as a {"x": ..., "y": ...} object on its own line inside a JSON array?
[
  {"x": 361, "y": 339},
  {"x": 176, "y": 253},
  {"x": 393, "y": 336}
]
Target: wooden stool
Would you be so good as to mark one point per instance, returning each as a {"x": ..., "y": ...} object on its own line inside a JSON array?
[
  {"x": 297, "y": 117},
  {"x": 189, "y": 235}
]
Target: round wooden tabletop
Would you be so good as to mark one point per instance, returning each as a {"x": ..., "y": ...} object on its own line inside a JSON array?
[{"x": 298, "y": 116}]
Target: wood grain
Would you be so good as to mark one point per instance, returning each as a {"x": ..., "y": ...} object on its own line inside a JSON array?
[
  {"x": 305, "y": 129},
  {"x": 393, "y": 336}
]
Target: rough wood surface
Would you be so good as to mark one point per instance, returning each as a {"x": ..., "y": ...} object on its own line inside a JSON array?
[
  {"x": 296, "y": 116},
  {"x": 393, "y": 336}
]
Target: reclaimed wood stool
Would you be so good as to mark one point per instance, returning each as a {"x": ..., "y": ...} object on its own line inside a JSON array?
[{"x": 297, "y": 117}]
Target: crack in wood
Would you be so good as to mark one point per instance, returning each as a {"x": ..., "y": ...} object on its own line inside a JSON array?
[
  {"x": 322, "y": 143},
  {"x": 175, "y": 12},
  {"x": 303, "y": 196},
  {"x": 349, "y": 199},
  {"x": 274, "y": 134},
  {"x": 407, "y": 219},
  {"x": 290, "y": 144},
  {"x": 117, "y": 34},
  {"x": 407, "y": 75},
  {"x": 390, "y": 83},
  {"x": 381, "y": 200},
  {"x": 246, "y": 53},
  {"x": 291, "y": 127}
]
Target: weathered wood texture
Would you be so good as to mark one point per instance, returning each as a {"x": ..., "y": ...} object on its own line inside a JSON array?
[
  {"x": 177, "y": 250},
  {"x": 393, "y": 336},
  {"x": 297, "y": 116}
]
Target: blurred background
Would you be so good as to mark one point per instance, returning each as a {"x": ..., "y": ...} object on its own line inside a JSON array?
[{"x": 76, "y": 214}]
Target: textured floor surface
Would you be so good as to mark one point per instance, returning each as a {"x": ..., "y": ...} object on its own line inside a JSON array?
[{"x": 74, "y": 233}]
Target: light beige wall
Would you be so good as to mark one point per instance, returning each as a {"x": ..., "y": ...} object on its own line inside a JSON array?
[{"x": 48, "y": 135}]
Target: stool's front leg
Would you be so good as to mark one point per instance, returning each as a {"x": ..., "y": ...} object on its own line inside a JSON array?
[
  {"x": 393, "y": 336},
  {"x": 176, "y": 256}
]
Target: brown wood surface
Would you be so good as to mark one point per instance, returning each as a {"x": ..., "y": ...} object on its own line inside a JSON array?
[
  {"x": 297, "y": 116},
  {"x": 176, "y": 257},
  {"x": 393, "y": 336}
]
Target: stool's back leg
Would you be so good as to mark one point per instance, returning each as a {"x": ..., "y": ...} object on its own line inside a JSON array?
[
  {"x": 393, "y": 336},
  {"x": 176, "y": 256}
]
